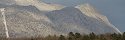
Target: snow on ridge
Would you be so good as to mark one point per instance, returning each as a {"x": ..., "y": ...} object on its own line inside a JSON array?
[
  {"x": 56, "y": 21},
  {"x": 37, "y": 3},
  {"x": 73, "y": 16},
  {"x": 88, "y": 10}
]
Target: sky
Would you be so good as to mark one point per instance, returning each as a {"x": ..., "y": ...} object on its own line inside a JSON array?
[{"x": 113, "y": 9}]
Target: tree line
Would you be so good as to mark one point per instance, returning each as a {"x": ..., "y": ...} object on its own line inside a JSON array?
[
  {"x": 78, "y": 36},
  {"x": 91, "y": 36}
]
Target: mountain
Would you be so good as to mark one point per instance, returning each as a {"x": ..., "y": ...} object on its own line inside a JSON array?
[
  {"x": 71, "y": 19},
  {"x": 91, "y": 12},
  {"x": 37, "y": 3},
  {"x": 26, "y": 20},
  {"x": 30, "y": 21}
]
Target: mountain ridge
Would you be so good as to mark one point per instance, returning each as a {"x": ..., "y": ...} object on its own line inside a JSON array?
[{"x": 30, "y": 21}]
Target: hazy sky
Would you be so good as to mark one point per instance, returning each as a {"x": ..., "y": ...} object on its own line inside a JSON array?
[{"x": 113, "y": 9}]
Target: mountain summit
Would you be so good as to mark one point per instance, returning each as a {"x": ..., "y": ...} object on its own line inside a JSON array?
[{"x": 30, "y": 21}]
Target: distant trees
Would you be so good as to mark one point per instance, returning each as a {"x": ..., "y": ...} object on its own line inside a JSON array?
[
  {"x": 71, "y": 36},
  {"x": 78, "y": 36},
  {"x": 62, "y": 37},
  {"x": 86, "y": 37},
  {"x": 92, "y": 36},
  {"x": 116, "y": 36},
  {"x": 123, "y": 36}
]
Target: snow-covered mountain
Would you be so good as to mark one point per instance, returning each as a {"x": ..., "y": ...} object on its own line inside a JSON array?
[
  {"x": 30, "y": 21},
  {"x": 37, "y": 3},
  {"x": 91, "y": 12},
  {"x": 71, "y": 19}
]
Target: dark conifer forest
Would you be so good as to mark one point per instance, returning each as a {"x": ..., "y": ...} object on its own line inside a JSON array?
[{"x": 75, "y": 36}]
